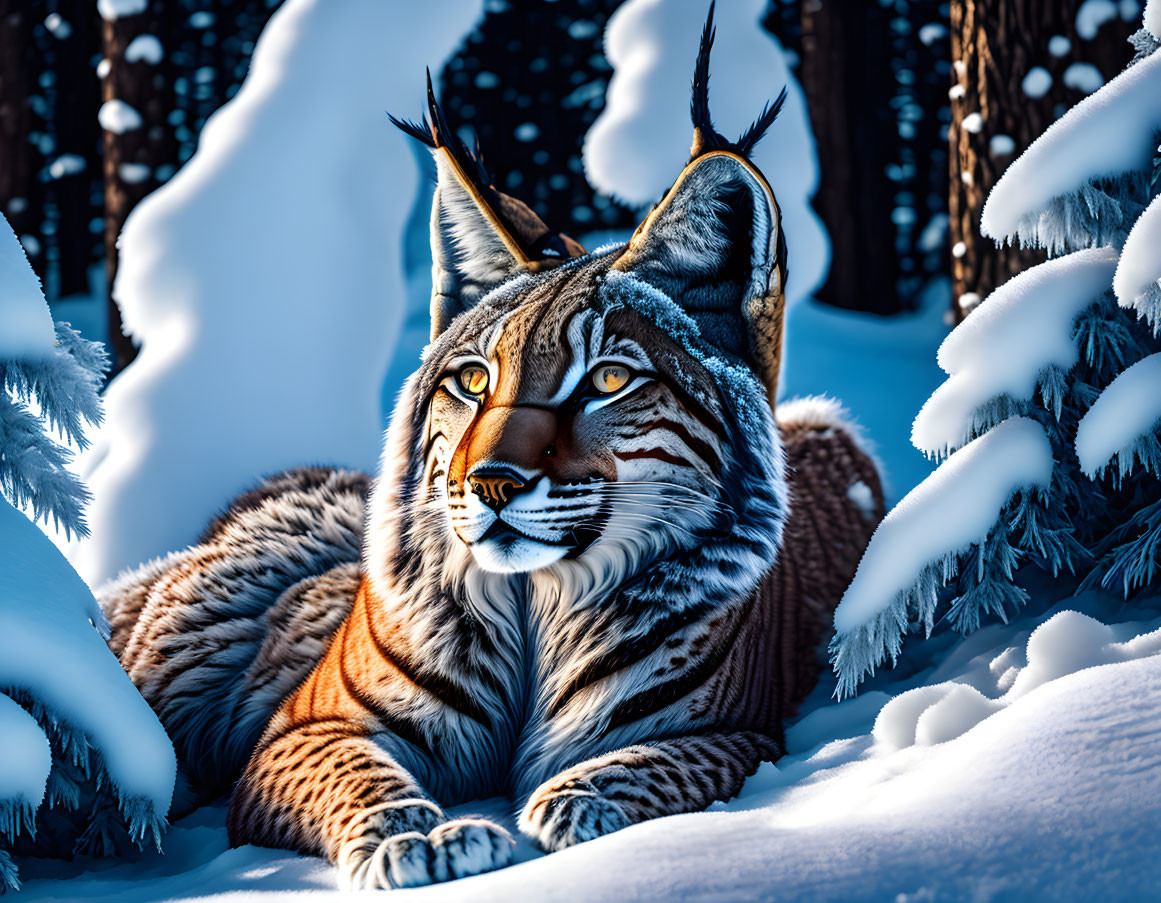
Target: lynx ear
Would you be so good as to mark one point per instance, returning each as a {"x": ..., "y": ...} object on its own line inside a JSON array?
[
  {"x": 714, "y": 242},
  {"x": 480, "y": 237}
]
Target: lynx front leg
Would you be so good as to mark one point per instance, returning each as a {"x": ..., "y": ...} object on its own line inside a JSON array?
[
  {"x": 329, "y": 788},
  {"x": 639, "y": 782}
]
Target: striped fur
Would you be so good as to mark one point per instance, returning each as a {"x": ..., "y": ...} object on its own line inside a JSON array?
[{"x": 595, "y": 568}]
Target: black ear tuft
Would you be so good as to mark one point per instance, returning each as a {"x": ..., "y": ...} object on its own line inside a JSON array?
[
  {"x": 705, "y": 137},
  {"x": 754, "y": 133},
  {"x": 420, "y": 131}
]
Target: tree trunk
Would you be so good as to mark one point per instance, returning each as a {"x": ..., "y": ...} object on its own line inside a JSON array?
[
  {"x": 77, "y": 132},
  {"x": 132, "y": 155},
  {"x": 847, "y": 78},
  {"x": 20, "y": 161},
  {"x": 995, "y": 114}
]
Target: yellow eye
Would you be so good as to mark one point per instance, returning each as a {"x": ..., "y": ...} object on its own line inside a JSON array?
[
  {"x": 474, "y": 379},
  {"x": 610, "y": 378}
]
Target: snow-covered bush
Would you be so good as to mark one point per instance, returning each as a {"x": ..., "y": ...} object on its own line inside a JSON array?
[
  {"x": 84, "y": 763},
  {"x": 1067, "y": 349}
]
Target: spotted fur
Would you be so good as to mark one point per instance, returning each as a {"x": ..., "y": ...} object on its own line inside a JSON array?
[{"x": 598, "y": 597}]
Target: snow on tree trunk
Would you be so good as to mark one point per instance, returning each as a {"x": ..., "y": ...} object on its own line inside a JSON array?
[
  {"x": 640, "y": 141},
  {"x": 265, "y": 282},
  {"x": 1123, "y": 423},
  {"x": 1003, "y": 349},
  {"x": 1138, "y": 279},
  {"x": 914, "y": 550},
  {"x": 1076, "y": 186},
  {"x": 135, "y": 143}
]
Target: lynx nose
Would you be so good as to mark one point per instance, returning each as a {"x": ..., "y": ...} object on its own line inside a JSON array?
[{"x": 496, "y": 486}]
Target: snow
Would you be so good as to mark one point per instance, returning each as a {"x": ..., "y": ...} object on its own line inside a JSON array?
[
  {"x": 118, "y": 117},
  {"x": 1152, "y": 18},
  {"x": 974, "y": 482},
  {"x": 1020, "y": 763},
  {"x": 881, "y": 368},
  {"x": 1092, "y": 15},
  {"x": 1001, "y": 145},
  {"x": 1129, "y": 407},
  {"x": 1024, "y": 327},
  {"x": 145, "y": 48},
  {"x": 932, "y": 33},
  {"x": 50, "y": 648},
  {"x": 133, "y": 172},
  {"x": 1083, "y": 77},
  {"x": 1139, "y": 270},
  {"x": 25, "y": 756},
  {"x": 1036, "y": 82},
  {"x": 66, "y": 165},
  {"x": 58, "y": 26},
  {"x": 25, "y": 324},
  {"x": 640, "y": 142},
  {"x": 973, "y": 123},
  {"x": 119, "y": 9},
  {"x": 265, "y": 281},
  {"x": 1075, "y": 149},
  {"x": 1059, "y": 45}
]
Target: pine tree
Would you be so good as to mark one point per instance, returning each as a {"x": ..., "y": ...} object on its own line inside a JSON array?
[
  {"x": 63, "y": 789},
  {"x": 1045, "y": 474}
]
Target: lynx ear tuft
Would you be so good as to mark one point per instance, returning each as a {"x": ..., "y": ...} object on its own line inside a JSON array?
[
  {"x": 705, "y": 137},
  {"x": 480, "y": 237}
]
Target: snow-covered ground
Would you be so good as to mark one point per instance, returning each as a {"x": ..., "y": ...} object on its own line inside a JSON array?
[{"x": 1023, "y": 762}]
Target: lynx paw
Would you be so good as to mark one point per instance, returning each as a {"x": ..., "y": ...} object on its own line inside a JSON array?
[
  {"x": 454, "y": 849},
  {"x": 569, "y": 815}
]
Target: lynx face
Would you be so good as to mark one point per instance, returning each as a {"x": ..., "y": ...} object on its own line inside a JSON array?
[
  {"x": 573, "y": 405},
  {"x": 565, "y": 420}
]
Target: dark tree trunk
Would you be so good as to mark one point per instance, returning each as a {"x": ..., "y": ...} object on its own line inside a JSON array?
[
  {"x": 77, "y": 132},
  {"x": 994, "y": 45},
  {"x": 132, "y": 156},
  {"x": 847, "y": 78},
  {"x": 20, "y": 162}
]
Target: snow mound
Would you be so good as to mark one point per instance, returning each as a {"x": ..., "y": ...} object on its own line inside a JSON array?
[
  {"x": 1138, "y": 279},
  {"x": 265, "y": 282},
  {"x": 1066, "y": 643},
  {"x": 640, "y": 142},
  {"x": 945, "y": 515},
  {"x": 1024, "y": 327},
  {"x": 25, "y": 324},
  {"x": 1124, "y": 416},
  {"x": 1076, "y": 150}
]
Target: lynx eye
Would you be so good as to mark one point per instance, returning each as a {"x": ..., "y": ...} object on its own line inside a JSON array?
[
  {"x": 610, "y": 378},
  {"x": 473, "y": 379}
]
